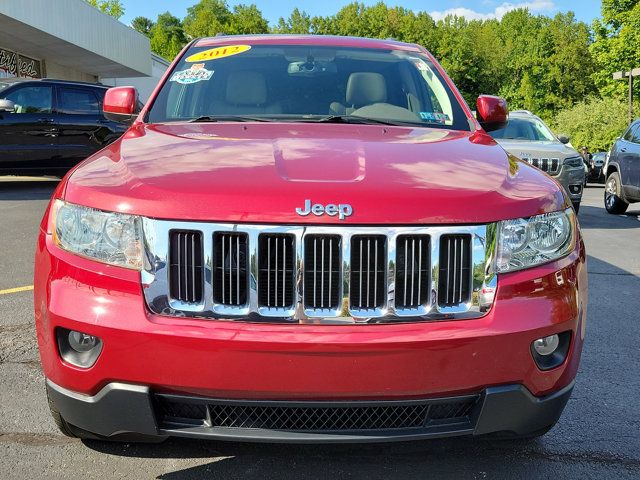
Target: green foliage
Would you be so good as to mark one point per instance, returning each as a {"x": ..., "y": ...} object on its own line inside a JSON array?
[
  {"x": 142, "y": 25},
  {"x": 595, "y": 122},
  {"x": 210, "y": 17},
  {"x": 110, "y": 7},
  {"x": 167, "y": 36},
  {"x": 298, "y": 22},
  {"x": 616, "y": 45}
]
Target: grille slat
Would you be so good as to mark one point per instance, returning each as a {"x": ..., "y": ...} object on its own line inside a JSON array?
[
  {"x": 276, "y": 253},
  {"x": 320, "y": 263},
  {"x": 175, "y": 412},
  {"x": 368, "y": 255},
  {"x": 230, "y": 269},
  {"x": 186, "y": 266},
  {"x": 454, "y": 283},
  {"x": 550, "y": 165},
  {"x": 412, "y": 271}
]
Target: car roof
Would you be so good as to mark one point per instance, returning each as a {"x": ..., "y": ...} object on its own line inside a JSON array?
[
  {"x": 316, "y": 40},
  {"x": 15, "y": 81}
]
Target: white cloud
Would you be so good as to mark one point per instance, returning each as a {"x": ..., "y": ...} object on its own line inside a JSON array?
[{"x": 498, "y": 12}]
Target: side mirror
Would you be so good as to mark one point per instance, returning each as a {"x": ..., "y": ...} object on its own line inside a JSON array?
[
  {"x": 120, "y": 104},
  {"x": 492, "y": 112},
  {"x": 7, "y": 106},
  {"x": 564, "y": 139}
]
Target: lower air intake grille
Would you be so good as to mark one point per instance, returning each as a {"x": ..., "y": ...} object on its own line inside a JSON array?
[
  {"x": 173, "y": 412},
  {"x": 230, "y": 268},
  {"x": 186, "y": 266},
  {"x": 412, "y": 287},
  {"x": 368, "y": 267},
  {"x": 322, "y": 271},
  {"x": 454, "y": 281},
  {"x": 276, "y": 253}
]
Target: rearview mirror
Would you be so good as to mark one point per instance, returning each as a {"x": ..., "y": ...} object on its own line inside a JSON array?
[
  {"x": 564, "y": 139},
  {"x": 492, "y": 112},
  {"x": 7, "y": 106},
  {"x": 120, "y": 104}
]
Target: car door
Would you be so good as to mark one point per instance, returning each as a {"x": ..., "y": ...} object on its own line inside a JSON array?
[
  {"x": 83, "y": 130},
  {"x": 28, "y": 135},
  {"x": 632, "y": 165}
]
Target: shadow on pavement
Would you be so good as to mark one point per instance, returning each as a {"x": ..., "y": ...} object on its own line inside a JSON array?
[
  {"x": 447, "y": 458},
  {"x": 599, "y": 218},
  {"x": 27, "y": 189}
]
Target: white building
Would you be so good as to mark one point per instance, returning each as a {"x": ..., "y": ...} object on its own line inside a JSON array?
[{"x": 71, "y": 40}]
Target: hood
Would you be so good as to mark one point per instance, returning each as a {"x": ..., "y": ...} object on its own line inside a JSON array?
[
  {"x": 263, "y": 172},
  {"x": 527, "y": 148}
]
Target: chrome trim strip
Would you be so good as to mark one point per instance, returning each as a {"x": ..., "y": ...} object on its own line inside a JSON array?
[{"x": 155, "y": 279}]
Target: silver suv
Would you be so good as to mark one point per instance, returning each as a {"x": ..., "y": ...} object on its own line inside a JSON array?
[{"x": 528, "y": 138}]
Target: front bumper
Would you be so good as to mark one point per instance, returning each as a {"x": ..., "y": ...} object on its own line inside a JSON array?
[
  {"x": 572, "y": 179},
  {"x": 123, "y": 409},
  {"x": 239, "y": 361}
]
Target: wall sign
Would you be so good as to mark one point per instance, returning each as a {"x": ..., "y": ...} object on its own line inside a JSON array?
[{"x": 12, "y": 64}]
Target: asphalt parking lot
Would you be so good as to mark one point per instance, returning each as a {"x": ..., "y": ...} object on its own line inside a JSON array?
[{"x": 597, "y": 437}]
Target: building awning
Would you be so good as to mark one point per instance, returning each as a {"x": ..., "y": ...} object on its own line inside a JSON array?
[{"x": 73, "y": 34}]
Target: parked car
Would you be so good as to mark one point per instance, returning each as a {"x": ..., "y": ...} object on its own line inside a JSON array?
[
  {"x": 622, "y": 171},
  {"x": 48, "y": 126},
  {"x": 291, "y": 244},
  {"x": 596, "y": 173},
  {"x": 527, "y": 137}
]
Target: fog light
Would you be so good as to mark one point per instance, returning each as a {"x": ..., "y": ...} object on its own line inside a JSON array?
[
  {"x": 551, "y": 351},
  {"x": 78, "y": 348},
  {"x": 82, "y": 342},
  {"x": 575, "y": 189},
  {"x": 547, "y": 345}
]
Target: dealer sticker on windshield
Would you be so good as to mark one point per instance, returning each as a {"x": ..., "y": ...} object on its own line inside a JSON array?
[
  {"x": 217, "y": 53},
  {"x": 194, "y": 74}
]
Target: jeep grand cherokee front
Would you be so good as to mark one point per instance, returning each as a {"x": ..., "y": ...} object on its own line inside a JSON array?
[{"x": 308, "y": 239}]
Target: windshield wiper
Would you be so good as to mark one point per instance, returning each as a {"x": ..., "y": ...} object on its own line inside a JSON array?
[
  {"x": 229, "y": 118},
  {"x": 353, "y": 119}
]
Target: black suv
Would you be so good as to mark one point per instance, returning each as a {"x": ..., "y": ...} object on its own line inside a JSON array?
[
  {"x": 622, "y": 171},
  {"x": 48, "y": 126}
]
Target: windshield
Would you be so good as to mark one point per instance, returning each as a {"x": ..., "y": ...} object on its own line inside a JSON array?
[
  {"x": 303, "y": 83},
  {"x": 530, "y": 129}
]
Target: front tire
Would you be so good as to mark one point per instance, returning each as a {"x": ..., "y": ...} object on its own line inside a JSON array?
[{"x": 613, "y": 201}]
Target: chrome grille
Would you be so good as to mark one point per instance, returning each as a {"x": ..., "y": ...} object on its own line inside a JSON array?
[
  {"x": 455, "y": 270},
  {"x": 185, "y": 266},
  {"x": 550, "y": 165},
  {"x": 412, "y": 288},
  {"x": 276, "y": 280},
  {"x": 230, "y": 268},
  {"x": 368, "y": 255},
  {"x": 322, "y": 272},
  {"x": 316, "y": 274}
]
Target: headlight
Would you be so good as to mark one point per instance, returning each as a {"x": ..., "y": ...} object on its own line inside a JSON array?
[
  {"x": 528, "y": 242},
  {"x": 113, "y": 238},
  {"x": 573, "y": 162}
]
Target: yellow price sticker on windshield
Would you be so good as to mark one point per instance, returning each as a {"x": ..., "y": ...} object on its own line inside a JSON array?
[{"x": 218, "y": 52}]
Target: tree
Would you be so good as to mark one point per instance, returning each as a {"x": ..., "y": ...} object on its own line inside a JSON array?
[
  {"x": 207, "y": 18},
  {"x": 142, "y": 25},
  {"x": 246, "y": 19},
  {"x": 298, "y": 22},
  {"x": 110, "y": 7},
  {"x": 595, "y": 122},
  {"x": 616, "y": 44},
  {"x": 167, "y": 36}
]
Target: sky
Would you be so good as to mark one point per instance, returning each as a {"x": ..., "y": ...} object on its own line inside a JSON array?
[{"x": 585, "y": 10}]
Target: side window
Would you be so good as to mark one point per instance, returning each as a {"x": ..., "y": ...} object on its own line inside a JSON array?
[
  {"x": 78, "y": 101},
  {"x": 628, "y": 135},
  {"x": 635, "y": 135},
  {"x": 32, "y": 99}
]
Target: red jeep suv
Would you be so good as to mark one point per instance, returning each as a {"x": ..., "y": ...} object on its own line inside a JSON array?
[{"x": 308, "y": 239}]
